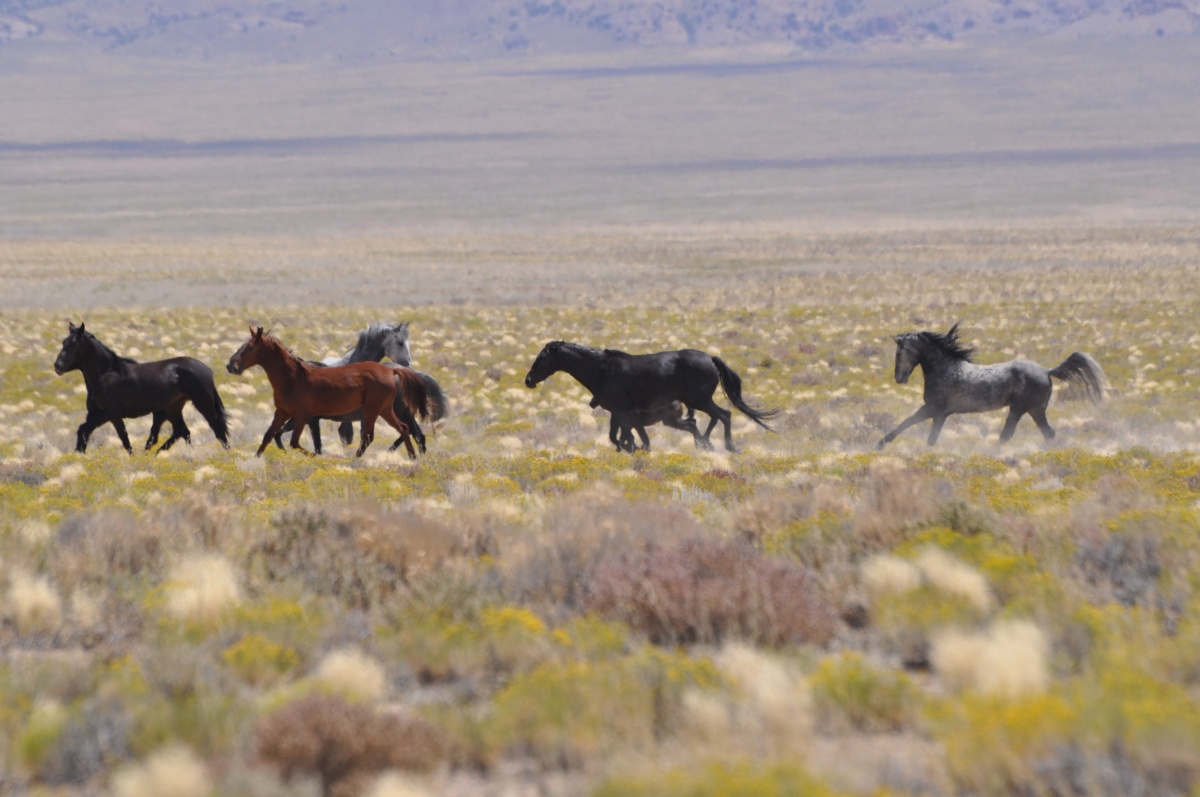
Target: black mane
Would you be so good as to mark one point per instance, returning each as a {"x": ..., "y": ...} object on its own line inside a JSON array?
[
  {"x": 949, "y": 344},
  {"x": 118, "y": 360}
]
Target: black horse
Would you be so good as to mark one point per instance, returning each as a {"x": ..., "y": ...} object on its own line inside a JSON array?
[
  {"x": 646, "y": 383},
  {"x": 622, "y": 425},
  {"x": 954, "y": 384},
  {"x": 119, "y": 388}
]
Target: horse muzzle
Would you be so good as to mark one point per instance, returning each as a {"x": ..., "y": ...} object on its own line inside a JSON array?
[
  {"x": 58, "y": 369},
  {"x": 529, "y": 382},
  {"x": 234, "y": 368}
]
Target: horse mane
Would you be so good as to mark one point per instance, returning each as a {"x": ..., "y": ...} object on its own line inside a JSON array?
[
  {"x": 118, "y": 360},
  {"x": 617, "y": 353},
  {"x": 374, "y": 334},
  {"x": 949, "y": 344},
  {"x": 278, "y": 344}
]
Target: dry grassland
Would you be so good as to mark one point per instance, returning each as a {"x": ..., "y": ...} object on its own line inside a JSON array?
[{"x": 524, "y": 609}]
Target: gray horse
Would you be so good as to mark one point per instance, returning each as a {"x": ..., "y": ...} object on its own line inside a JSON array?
[{"x": 955, "y": 384}]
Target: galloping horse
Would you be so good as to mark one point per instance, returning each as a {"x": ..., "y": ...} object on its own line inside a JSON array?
[
  {"x": 374, "y": 343},
  {"x": 646, "y": 383},
  {"x": 303, "y": 391},
  {"x": 118, "y": 388},
  {"x": 954, "y": 384}
]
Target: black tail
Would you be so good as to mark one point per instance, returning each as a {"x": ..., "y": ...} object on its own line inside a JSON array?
[
  {"x": 731, "y": 383},
  {"x": 439, "y": 408},
  {"x": 1081, "y": 369},
  {"x": 412, "y": 390}
]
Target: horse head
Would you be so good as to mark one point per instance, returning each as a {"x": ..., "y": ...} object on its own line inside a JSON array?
[
  {"x": 395, "y": 345},
  {"x": 248, "y": 354},
  {"x": 545, "y": 364},
  {"x": 908, "y": 356},
  {"x": 70, "y": 356}
]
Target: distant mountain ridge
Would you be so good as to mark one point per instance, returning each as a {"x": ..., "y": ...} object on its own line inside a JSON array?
[{"x": 365, "y": 30}]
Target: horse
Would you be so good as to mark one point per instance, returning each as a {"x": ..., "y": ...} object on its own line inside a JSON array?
[
  {"x": 671, "y": 415},
  {"x": 374, "y": 343},
  {"x": 303, "y": 391},
  {"x": 646, "y": 383},
  {"x": 953, "y": 383},
  {"x": 119, "y": 388}
]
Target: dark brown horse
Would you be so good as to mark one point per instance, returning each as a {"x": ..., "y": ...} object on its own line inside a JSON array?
[
  {"x": 303, "y": 391},
  {"x": 119, "y": 388}
]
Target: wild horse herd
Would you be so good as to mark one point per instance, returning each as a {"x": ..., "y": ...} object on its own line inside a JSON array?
[{"x": 639, "y": 390}]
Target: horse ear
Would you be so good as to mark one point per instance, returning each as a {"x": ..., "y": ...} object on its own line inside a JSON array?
[
  {"x": 79, "y": 329},
  {"x": 259, "y": 333},
  {"x": 70, "y": 326}
]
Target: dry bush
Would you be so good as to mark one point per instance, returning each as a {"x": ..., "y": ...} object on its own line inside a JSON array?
[
  {"x": 707, "y": 590},
  {"x": 345, "y": 745},
  {"x": 202, "y": 587},
  {"x": 32, "y": 603},
  {"x": 86, "y": 743},
  {"x": 109, "y": 545},
  {"x": 955, "y": 577},
  {"x": 767, "y": 713},
  {"x": 768, "y": 512},
  {"x": 894, "y": 499},
  {"x": 552, "y": 570},
  {"x": 1119, "y": 566},
  {"x": 352, "y": 673},
  {"x": 357, "y": 556},
  {"x": 171, "y": 772},
  {"x": 1008, "y": 659}
]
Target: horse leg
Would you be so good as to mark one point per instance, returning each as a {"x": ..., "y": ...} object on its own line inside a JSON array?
[
  {"x": 388, "y": 414},
  {"x": 346, "y": 432},
  {"x": 686, "y": 424},
  {"x": 156, "y": 422},
  {"x": 297, "y": 431},
  {"x": 613, "y": 429},
  {"x": 935, "y": 428},
  {"x": 1010, "y": 424},
  {"x": 641, "y": 430},
  {"x": 277, "y": 423},
  {"x": 923, "y": 414},
  {"x": 1039, "y": 417},
  {"x": 314, "y": 426},
  {"x": 119, "y": 425},
  {"x": 287, "y": 427},
  {"x": 174, "y": 414},
  {"x": 717, "y": 413},
  {"x": 406, "y": 417}
]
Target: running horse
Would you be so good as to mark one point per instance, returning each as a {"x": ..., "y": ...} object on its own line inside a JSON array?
[
  {"x": 303, "y": 391},
  {"x": 954, "y": 384},
  {"x": 119, "y": 388},
  {"x": 634, "y": 387}
]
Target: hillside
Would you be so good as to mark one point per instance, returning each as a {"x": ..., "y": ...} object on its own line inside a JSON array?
[{"x": 385, "y": 29}]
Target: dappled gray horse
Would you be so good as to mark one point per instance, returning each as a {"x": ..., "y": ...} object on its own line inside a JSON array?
[{"x": 955, "y": 384}]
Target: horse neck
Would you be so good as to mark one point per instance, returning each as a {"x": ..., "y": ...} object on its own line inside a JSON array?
[
  {"x": 934, "y": 361},
  {"x": 364, "y": 351},
  {"x": 584, "y": 366},
  {"x": 281, "y": 366},
  {"x": 96, "y": 361}
]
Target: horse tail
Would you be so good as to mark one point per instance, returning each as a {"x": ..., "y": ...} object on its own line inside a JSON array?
[
  {"x": 731, "y": 383},
  {"x": 411, "y": 389},
  {"x": 219, "y": 422},
  {"x": 1081, "y": 369},
  {"x": 439, "y": 407},
  {"x": 198, "y": 385}
]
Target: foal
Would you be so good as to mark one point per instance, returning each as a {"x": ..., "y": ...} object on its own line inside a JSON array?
[{"x": 303, "y": 391}]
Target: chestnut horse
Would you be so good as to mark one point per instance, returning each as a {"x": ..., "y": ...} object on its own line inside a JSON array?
[{"x": 303, "y": 391}]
